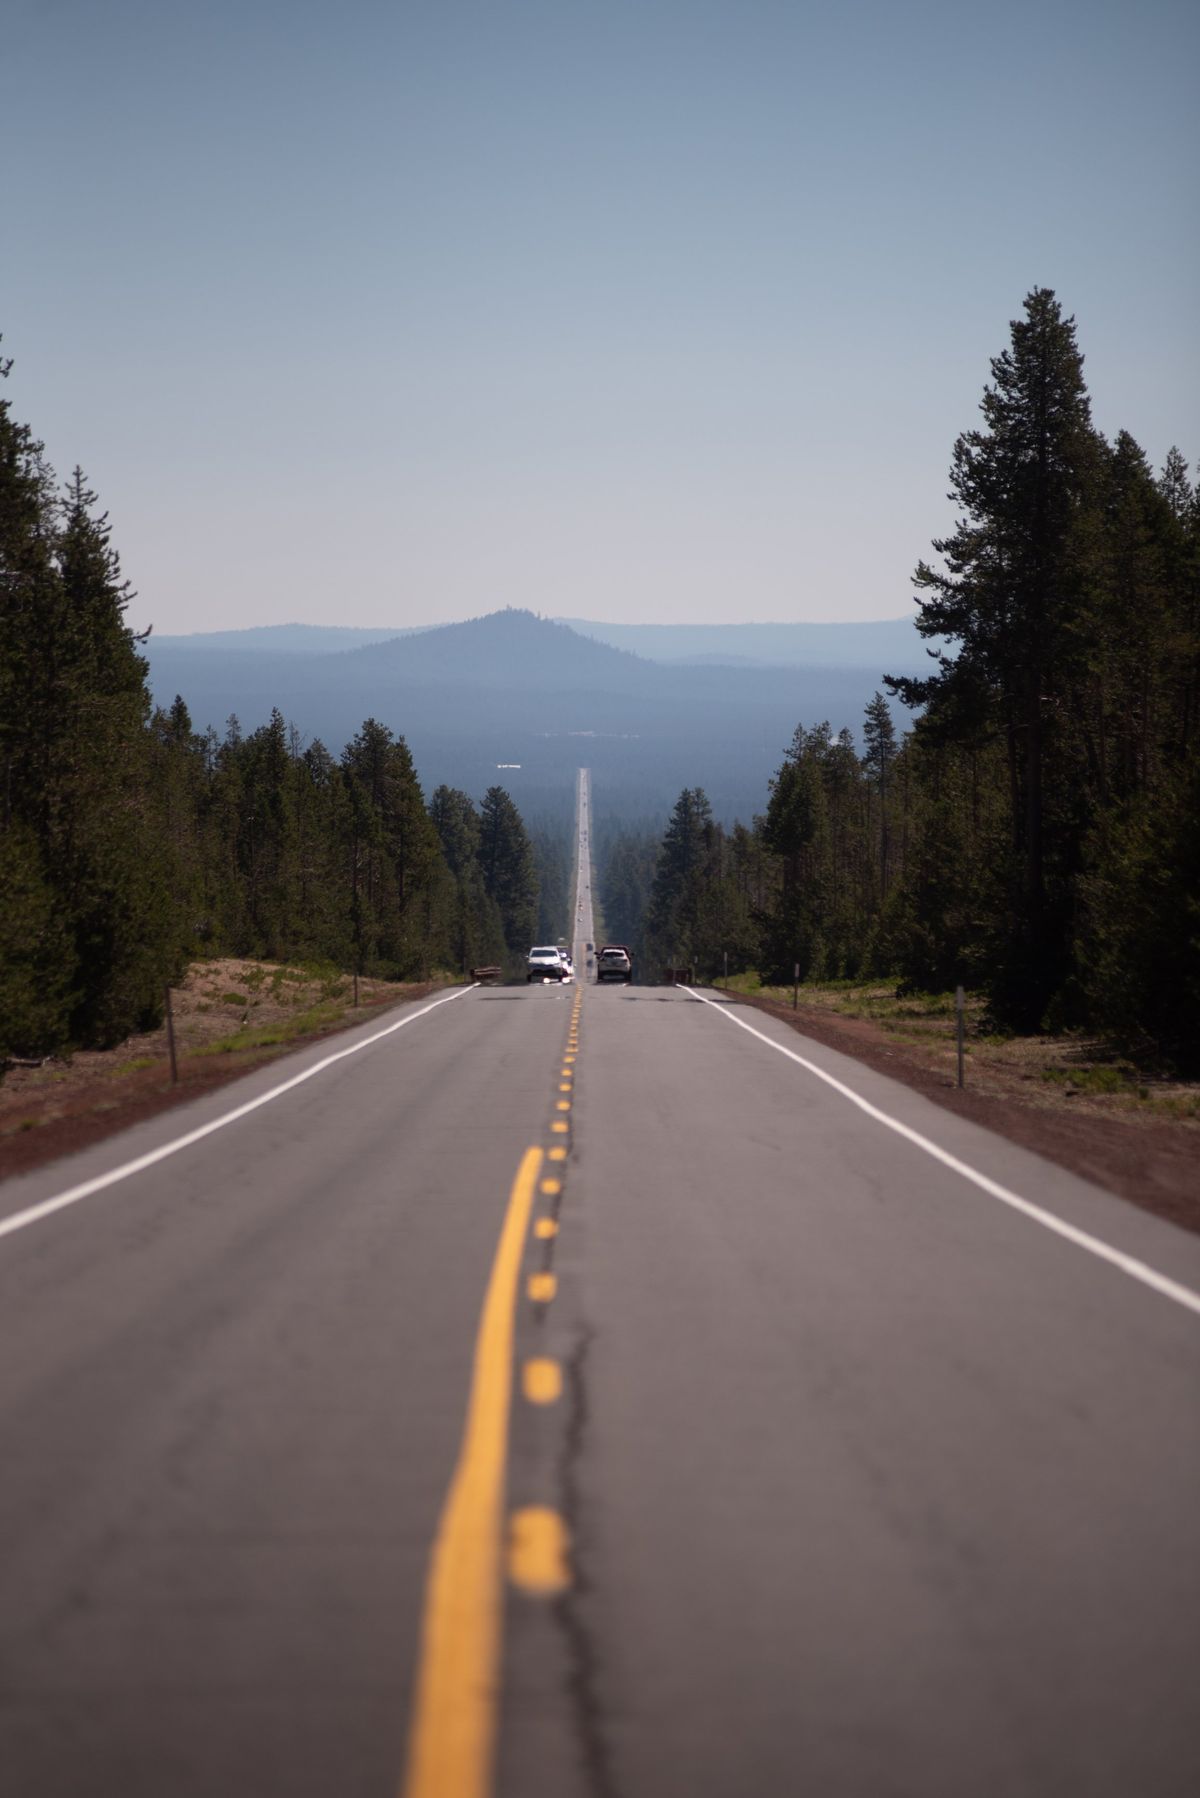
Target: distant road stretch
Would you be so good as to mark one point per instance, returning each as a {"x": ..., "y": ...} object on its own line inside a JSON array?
[{"x": 572, "y": 1391}]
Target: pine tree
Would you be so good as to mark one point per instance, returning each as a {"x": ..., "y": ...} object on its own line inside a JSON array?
[
  {"x": 74, "y": 747},
  {"x": 879, "y": 737},
  {"x": 673, "y": 934},
  {"x": 1015, "y": 598},
  {"x": 475, "y": 935},
  {"x": 36, "y": 954},
  {"x": 509, "y": 872},
  {"x": 395, "y": 855}
]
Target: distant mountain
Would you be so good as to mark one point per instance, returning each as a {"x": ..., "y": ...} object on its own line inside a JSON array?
[
  {"x": 514, "y": 688},
  {"x": 513, "y": 646},
  {"x": 886, "y": 643},
  {"x": 890, "y": 643}
]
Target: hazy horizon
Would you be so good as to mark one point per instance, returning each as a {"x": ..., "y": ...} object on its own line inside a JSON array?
[{"x": 699, "y": 624}]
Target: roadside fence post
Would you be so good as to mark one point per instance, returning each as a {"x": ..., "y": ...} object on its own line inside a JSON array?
[
  {"x": 356, "y": 988},
  {"x": 960, "y": 1003},
  {"x": 796, "y": 987},
  {"x": 171, "y": 1039},
  {"x": 726, "y": 953}
]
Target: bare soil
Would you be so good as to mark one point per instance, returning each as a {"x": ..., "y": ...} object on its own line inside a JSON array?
[
  {"x": 1065, "y": 1098},
  {"x": 229, "y": 1016}
]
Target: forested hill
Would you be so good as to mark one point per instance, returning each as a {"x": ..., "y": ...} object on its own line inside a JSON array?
[{"x": 514, "y": 688}]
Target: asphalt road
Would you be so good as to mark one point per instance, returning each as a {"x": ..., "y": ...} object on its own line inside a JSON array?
[{"x": 856, "y": 1479}]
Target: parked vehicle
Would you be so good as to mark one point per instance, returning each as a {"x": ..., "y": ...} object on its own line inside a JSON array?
[
  {"x": 545, "y": 963},
  {"x": 613, "y": 963}
]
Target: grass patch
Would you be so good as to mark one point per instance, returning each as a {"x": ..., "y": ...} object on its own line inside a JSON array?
[
  {"x": 272, "y": 1036},
  {"x": 1173, "y": 1108},
  {"x": 1094, "y": 1079}
]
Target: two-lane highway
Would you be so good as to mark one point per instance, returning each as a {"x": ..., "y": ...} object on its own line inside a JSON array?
[{"x": 810, "y": 1439}]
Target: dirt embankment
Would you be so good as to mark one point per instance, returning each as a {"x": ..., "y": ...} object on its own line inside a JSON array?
[
  {"x": 228, "y": 1015},
  {"x": 1064, "y": 1098}
]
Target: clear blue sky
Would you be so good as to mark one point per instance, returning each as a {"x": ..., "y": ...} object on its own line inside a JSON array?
[{"x": 393, "y": 313}]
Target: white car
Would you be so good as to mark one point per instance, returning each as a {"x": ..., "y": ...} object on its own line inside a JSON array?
[{"x": 545, "y": 963}]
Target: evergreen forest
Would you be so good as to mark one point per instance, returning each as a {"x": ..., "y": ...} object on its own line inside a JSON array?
[
  {"x": 131, "y": 842},
  {"x": 1035, "y": 835}
]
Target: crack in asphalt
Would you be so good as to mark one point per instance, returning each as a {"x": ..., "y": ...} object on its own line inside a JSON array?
[{"x": 582, "y": 1654}]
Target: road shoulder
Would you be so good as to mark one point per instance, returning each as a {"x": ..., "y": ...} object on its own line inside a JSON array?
[{"x": 1154, "y": 1164}]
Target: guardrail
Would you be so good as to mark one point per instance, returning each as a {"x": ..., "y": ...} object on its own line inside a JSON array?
[{"x": 486, "y": 973}]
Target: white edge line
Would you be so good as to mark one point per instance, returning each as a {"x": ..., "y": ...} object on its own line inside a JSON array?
[
  {"x": 1137, "y": 1270},
  {"x": 74, "y": 1194}
]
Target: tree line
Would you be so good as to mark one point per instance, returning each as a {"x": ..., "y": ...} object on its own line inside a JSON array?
[
  {"x": 130, "y": 842},
  {"x": 1036, "y": 833}
]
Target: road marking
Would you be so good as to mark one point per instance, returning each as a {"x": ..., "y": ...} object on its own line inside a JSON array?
[
  {"x": 562, "y": 1104},
  {"x": 542, "y": 1288},
  {"x": 541, "y": 1380},
  {"x": 545, "y": 1228},
  {"x": 1127, "y": 1264},
  {"x": 74, "y": 1194},
  {"x": 564, "y": 1086},
  {"x": 559, "y": 1128},
  {"x": 537, "y": 1554},
  {"x": 453, "y": 1730},
  {"x": 550, "y": 1187},
  {"x": 556, "y": 1154}
]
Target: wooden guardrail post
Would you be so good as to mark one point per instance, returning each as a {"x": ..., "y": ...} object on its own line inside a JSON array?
[{"x": 171, "y": 1040}]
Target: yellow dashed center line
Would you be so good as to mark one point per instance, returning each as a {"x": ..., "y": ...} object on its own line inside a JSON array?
[
  {"x": 542, "y": 1288},
  {"x": 545, "y": 1228},
  {"x": 538, "y": 1548},
  {"x": 541, "y": 1380},
  {"x": 556, "y": 1154}
]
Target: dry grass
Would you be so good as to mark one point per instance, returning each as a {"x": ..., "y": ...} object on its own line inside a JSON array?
[
  {"x": 233, "y": 1011},
  {"x": 1052, "y": 1073}
]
